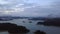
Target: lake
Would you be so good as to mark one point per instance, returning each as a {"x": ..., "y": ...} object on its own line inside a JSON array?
[{"x": 33, "y": 27}]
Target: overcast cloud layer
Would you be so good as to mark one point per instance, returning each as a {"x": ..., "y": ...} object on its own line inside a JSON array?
[{"x": 30, "y": 7}]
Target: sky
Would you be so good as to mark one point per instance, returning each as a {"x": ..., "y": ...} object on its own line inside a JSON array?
[{"x": 35, "y": 8}]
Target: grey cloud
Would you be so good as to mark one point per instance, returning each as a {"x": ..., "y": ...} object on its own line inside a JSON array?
[{"x": 32, "y": 9}]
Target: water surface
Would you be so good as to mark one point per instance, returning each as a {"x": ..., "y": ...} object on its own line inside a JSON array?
[{"x": 33, "y": 27}]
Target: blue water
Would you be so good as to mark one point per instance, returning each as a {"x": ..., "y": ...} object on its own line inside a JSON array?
[{"x": 33, "y": 27}]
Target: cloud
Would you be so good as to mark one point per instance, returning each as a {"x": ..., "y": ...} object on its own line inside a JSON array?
[{"x": 30, "y": 7}]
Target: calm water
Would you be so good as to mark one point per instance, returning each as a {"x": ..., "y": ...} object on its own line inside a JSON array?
[{"x": 33, "y": 27}]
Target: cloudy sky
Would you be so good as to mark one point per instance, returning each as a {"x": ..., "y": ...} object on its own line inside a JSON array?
[{"x": 30, "y": 7}]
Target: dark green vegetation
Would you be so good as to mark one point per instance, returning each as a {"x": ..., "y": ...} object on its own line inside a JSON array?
[
  {"x": 13, "y": 28},
  {"x": 30, "y": 21},
  {"x": 19, "y": 29},
  {"x": 5, "y": 19},
  {"x": 39, "y": 32},
  {"x": 7, "y": 26},
  {"x": 39, "y": 23},
  {"x": 23, "y": 21},
  {"x": 37, "y": 18},
  {"x": 51, "y": 22}
]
